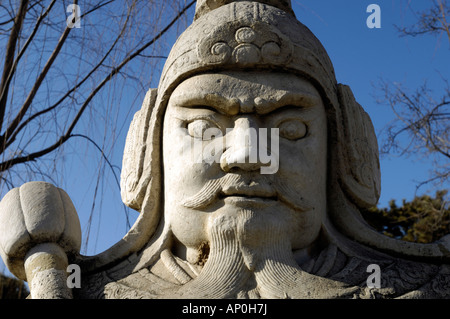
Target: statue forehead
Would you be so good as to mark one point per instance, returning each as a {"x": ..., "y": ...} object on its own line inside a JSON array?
[
  {"x": 244, "y": 35},
  {"x": 246, "y": 90}
]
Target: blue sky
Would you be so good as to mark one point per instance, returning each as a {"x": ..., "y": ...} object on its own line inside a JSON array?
[{"x": 361, "y": 57}]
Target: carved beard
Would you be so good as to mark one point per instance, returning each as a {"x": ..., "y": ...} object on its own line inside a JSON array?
[{"x": 251, "y": 257}]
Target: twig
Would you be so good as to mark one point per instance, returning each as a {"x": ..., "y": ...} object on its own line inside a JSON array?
[
  {"x": 18, "y": 160},
  {"x": 9, "y": 58}
]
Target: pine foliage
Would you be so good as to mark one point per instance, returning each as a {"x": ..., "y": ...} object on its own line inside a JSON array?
[{"x": 425, "y": 219}]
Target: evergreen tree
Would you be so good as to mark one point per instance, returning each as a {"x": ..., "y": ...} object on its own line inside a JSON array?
[{"x": 423, "y": 220}]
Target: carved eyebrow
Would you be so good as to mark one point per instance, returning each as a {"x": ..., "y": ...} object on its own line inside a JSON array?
[
  {"x": 210, "y": 100},
  {"x": 232, "y": 106},
  {"x": 287, "y": 98}
]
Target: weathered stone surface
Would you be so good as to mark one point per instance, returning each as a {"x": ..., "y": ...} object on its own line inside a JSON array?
[
  {"x": 249, "y": 165},
  {"x": 36, "y": 213},
  {"x": 46, "y": 271}
]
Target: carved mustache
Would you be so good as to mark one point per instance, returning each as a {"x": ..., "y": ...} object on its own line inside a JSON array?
[{"x": 235, "y": 185}]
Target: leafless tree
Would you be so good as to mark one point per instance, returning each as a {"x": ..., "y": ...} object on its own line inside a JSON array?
[
  {"x": 421, "y": 116},
  {"x": 64, "y": 88},
  {"x": 435, "y": 20}
]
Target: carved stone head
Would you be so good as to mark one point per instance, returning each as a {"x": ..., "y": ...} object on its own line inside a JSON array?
[{"x": 251, "y": 65}]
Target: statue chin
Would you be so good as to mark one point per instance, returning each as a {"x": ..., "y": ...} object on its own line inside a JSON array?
[
  {"x": 248, "y": 253},
  {"x": 261, "y": 223},
  {"x": 250, "y": 256},
  {"x": 257, "y": 223}
]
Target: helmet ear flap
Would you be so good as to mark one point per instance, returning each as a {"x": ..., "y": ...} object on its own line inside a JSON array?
[
  {"x": 133, "y": 181},
  {"x": 359, "y": 173}
]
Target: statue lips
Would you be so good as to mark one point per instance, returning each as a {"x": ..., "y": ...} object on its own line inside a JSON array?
[
  {"x": 251, "y": 194},
  {"x": 231, "y": 187}
]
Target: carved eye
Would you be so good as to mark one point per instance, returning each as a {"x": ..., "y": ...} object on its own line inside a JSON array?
[
  {"x": 203, "y": 129},
  {"x": 293, "y": 129}
]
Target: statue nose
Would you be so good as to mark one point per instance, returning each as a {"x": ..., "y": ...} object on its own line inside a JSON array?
[{"x": 242, "y": 146}]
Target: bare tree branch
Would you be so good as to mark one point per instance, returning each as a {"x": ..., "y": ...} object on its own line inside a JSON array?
[
  {"x": 433, "y": 21},
  {"x": 8, "y": 164},
  {"x": 25, "y": 123},
  {"x": 4, "y": 89},
  {"x": 26, "y": 105},
  {"x": 425, "y": 121},
  {"x": 111, "y": 166},
  {"x": 9, "y": 58}
]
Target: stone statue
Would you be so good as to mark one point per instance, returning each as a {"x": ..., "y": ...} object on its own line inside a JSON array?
[{"x": 249, "y": 165}]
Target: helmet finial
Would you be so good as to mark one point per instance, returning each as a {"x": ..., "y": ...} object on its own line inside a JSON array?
[{"x": 205, "y": 6}]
